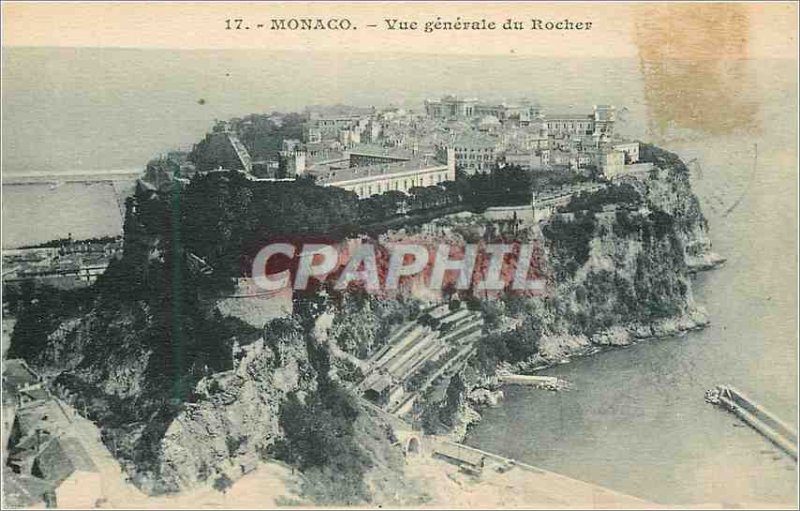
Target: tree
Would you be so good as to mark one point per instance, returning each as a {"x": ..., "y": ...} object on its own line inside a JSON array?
[
  {"x": 454, "y": 399},
  {"x": 222, "y": 483}
]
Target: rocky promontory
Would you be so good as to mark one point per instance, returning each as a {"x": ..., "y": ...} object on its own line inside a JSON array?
[{"x": 189, "y": 396}]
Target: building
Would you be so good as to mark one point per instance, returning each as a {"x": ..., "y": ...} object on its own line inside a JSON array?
[
  {"x": 378, "y": 391},
  {"x": 473, "y": 152},
  {"x": 24, "y": 491},
  {"x": 604, "y": 118},
  {"x": 367, "y": 154},
  {"x": 525, "y": 138},
  {"x": 564, "y": 125},
  {"x": 65, "y": 464},
  {"x": 453, "y": 107},
  {"x": 35, "y": 424},
  {"x": 611, "y": 163},
  {"x": 528, "y": 160},
  {"x": 599, "y": 123},
  {"x": 375, "y": 179},
  {"x": 631, "y": 150},
  {"x": 345, "y": 128},
  {"x": 561, "y": 158},
  {"x": 292, "y": 157},
  {"x": 369, "y": 169},
  {"x": 72, "y": 265},
  {"x": 489, "y": 124},
  {"x": 46, "y": 463}
]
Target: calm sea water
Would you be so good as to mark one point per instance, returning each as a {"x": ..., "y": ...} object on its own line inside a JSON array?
[{"x": 636, "y": 420}]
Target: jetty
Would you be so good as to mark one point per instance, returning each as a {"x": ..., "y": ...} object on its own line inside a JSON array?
[
  {"x": 755, "y": 416},
  {"x": 541, "y": 382}
]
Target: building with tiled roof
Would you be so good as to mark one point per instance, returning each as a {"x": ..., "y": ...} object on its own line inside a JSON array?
[
  {"x": 24, "y": 491},
  {"x": 473, "y": 152},
  {"x": 67, "y": 466}
]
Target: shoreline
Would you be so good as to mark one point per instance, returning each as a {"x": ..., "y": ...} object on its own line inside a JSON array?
[{"x": 577, "y": 346}]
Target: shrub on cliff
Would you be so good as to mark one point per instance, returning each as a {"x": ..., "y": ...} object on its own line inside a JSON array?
[
  {"x": 507, "y": 186},
  {"x": 39, "y": 310},
  {"x": 512, "y": 346},
  {"x": 569, "y": 241},
  {"x": 623, "y": 195},
  {"x": 660, "y": 158},
  {"x": 320, "y": 439}
]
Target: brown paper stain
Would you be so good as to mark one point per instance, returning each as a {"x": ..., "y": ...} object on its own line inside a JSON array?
[{"x": 694, "y": 65}]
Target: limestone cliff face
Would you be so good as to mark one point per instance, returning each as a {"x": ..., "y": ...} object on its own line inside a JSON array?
[
  {"x": 621, "y": 269},
  {"x": 634, "y": 284},
  {"x": 234, "y": 417},
  {"x": 669, "y": 189}
]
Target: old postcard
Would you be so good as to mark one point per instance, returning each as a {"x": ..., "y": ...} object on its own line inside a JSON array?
[{"x": 399, "y": 254}]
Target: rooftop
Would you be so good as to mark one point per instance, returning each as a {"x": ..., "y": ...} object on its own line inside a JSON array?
[
  {"x": 473, "y": 140},
  {"x": 379, "y": 150},
  {"x": 327, "y": 176},
  {"x": 47, "y": 415},
  {"x": 62, "y": 457},
  {"x": 381, "y": 384},
  {"x": 568, "y": 117},
  {"x": 24, "y": 491}
]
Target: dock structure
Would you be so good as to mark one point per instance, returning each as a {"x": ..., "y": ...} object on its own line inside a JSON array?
[
  {"x": 756, "y": 416},
  {"x": 542, "y": 382}
]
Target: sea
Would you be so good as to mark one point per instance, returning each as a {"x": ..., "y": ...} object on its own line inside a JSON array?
[{"x": 635, "y": 419}]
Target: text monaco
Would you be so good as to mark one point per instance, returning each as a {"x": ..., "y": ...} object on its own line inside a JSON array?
[{"x": 438, "y": 24}]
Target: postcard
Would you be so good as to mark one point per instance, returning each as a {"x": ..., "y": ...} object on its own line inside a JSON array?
[{"x": 399, "y": 254}]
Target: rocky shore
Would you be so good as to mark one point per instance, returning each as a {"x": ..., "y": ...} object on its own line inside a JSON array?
[{"x": 561, "y": 349}]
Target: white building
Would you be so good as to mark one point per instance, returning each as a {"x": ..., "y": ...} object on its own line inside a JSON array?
[
  {"x": 473, "y": 152},
  {"x": 611, "y": 163},
  {"x": 599, "y": 123},
  {"x": 370, "y": 170},
  {"x": 631, "y": 150}
]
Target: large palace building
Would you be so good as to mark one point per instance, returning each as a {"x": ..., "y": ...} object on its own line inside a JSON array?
[
  {"x": 369, "y": 170},
  {"x": 599, "y": 123}
]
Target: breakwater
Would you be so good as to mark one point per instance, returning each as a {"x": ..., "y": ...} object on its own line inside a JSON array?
[
  {"x": 84, "y": 176},
  {"x": 757, "y": 417}
]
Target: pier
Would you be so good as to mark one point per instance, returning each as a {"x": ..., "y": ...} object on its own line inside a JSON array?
[
  {"x": 541, "y": 382},
  {"x": 76, "y": 176},
  {"x": 756, "y": 416}
]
